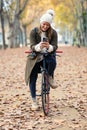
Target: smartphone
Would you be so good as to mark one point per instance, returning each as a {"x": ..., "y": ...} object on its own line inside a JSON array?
[{"x": 45, "y": 39}]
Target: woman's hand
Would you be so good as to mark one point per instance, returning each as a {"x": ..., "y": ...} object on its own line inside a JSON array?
[{"x": 44, "y": 44}]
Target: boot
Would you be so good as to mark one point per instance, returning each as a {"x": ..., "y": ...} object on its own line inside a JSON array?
[
  {"x": 34, "y": 105},
  {"x": 52, "y": 83}
]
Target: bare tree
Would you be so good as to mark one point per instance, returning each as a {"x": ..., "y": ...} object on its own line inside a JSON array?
[
  {"x": 2, "y": 24},
  {"x": 14, "y": 23},
  {"x": 81, "y": 16}
]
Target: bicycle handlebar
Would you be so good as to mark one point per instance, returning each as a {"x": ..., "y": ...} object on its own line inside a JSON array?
[{"x": 57, "y": 51}]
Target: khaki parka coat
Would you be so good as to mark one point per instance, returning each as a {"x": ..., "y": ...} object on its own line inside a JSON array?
[{"x": 35, "y": 38}]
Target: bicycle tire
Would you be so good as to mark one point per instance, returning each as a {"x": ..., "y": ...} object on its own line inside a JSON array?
[{"x": 45, "y": 94}]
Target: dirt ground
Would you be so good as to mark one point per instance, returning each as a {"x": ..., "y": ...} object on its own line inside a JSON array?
[{"x": 68, "y": 103}]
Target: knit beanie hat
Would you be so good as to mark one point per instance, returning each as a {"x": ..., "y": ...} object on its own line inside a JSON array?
[{"x": 46, "y": 18}]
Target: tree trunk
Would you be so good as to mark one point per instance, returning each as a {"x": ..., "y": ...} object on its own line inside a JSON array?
[
  {"x": 15, "y": 32},
  {"x": 2, "y": 26},
  {"x": 25, "y": 35},
  {"x": 86, "y": 26}
]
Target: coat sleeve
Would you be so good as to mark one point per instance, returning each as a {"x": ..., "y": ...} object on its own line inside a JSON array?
[
  {"x": 33, "y": 39},
  {"x": 54, "y": 40}
]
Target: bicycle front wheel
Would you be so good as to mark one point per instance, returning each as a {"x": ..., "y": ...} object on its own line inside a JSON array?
[{"x": 45, "y": 93}]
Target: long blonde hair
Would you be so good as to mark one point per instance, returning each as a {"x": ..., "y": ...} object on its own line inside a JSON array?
[{"x": 48, "y": 32}]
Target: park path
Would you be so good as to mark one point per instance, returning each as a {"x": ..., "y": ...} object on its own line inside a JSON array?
[{"x": 68, "y": 103}]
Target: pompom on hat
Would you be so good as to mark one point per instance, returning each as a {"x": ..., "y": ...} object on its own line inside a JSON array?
[
  {"x": 51, "y": 12},
  {"x": 46, "y": 18}
]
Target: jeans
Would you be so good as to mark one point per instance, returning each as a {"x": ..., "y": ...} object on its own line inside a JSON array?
[{"x": 50, "y": 64}]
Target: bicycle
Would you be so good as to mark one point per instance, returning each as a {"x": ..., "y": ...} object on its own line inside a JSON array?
[{"x": 45, "y": 86}]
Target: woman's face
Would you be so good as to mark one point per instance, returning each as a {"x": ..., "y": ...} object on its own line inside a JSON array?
[{"x": 45, "y": 26}]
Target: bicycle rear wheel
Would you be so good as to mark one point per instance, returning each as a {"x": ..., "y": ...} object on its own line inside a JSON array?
[{"x": 45, "y": 93}]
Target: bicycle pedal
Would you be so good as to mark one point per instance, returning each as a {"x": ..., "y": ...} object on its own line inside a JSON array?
[{"x": 38, "y": 94}]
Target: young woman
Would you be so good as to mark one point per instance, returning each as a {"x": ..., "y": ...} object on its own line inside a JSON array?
[{"x": 37, "y": 44}]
